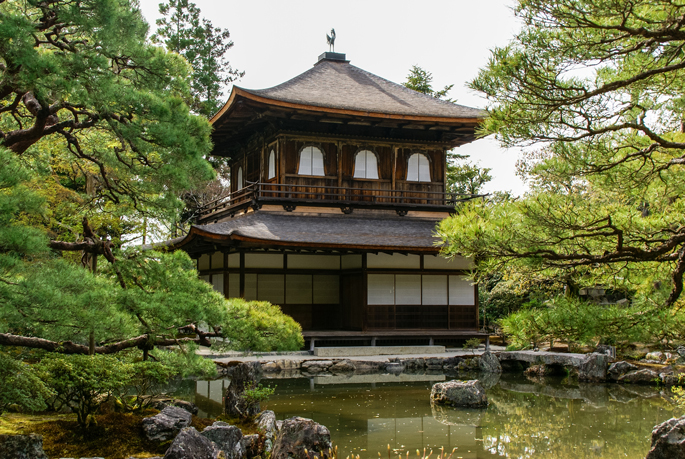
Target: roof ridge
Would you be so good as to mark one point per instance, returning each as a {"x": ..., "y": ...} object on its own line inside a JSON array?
[{"x": 341, "y": 85}]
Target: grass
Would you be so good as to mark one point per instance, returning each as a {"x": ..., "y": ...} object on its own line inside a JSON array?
[{"x": 115, "y": 436}]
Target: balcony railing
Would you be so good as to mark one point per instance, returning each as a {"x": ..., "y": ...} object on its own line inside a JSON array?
[{"x": 289, "y": 195}]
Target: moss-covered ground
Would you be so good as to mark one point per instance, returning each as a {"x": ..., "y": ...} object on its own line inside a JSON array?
[{"x": 114, "y": 436}]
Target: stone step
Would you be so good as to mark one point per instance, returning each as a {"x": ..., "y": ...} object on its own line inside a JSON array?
[{"x": 376, "y": 350}]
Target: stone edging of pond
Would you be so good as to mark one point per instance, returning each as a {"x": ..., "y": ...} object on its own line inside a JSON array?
[{"x": 594, "y": 367}]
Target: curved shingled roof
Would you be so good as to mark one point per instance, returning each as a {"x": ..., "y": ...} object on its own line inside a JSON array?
[
  {"x": 340, "y": 85},
  {"x": 340, "y": 231}
]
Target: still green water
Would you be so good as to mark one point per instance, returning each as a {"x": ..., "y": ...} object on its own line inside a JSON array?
[{"x": 525, "y": 419}]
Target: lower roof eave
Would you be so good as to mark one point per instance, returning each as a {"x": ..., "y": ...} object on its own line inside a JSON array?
[{"x": 197, "y": 236}]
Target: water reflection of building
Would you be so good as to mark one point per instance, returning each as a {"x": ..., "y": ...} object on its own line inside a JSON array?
[
  {"x": 553, "y": 419},
  {"x": 365, "y": 413}
]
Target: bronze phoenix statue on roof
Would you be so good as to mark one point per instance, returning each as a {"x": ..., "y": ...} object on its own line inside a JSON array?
[{"x": 331, "y": 40}]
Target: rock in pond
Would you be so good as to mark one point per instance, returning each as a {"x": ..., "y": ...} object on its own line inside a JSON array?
[
  {"x": 226, "y": 438},
  {"x": 489, "y": 363},
  {"x": 668, "y": 440},
  {"x": 22, "y": 447},
  {"x": 266, "y": 423},
  {"x": 298, "y": 434},
  {"x": 618, "y": 369},
  {"x": 460, "y": 393},
  {"x": 166, "y": 425},
  {"x": 593, "y": 368},
  {"x": 189, "y": 444},
  {"x": 644, "y": 376},
  {"x": 243, "y": 376}
]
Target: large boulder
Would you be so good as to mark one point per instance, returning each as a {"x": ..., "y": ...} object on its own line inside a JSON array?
[
  {"x": 298, "y": 434},
  {"x": 593, "y": 368},
  {"x": 668, "y": 440},
  {"x": 459, "y": 393},
  {"x": 489, "y": 363},
  {"x": 166, "y": 425},
  {"x": 226, "y": 438},
  {"x": 618, "y": 369},
  {"x": 189, "y": 444},
  {"x": 252, "y": 446},
  {"x": 159, "y": 403},
  {"x": 243, "y": 376},
  {"x": 644, "y": 376},
  {"x": 22, "y": 447},
  {"x": 266, "y": 423},
  {"x": 670, "y": 379}
]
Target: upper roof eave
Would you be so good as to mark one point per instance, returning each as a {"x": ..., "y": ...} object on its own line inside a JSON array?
[{"x": 238, "y": 92}]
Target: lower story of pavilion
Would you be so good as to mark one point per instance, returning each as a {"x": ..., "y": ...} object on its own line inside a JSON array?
[{"x": 344, "y": 292}]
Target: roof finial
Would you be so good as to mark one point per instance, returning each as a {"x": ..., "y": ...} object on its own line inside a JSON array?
[{"x": 331, "y": 40}]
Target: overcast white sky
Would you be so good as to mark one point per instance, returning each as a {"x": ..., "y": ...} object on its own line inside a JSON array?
[{"x": 276, "y": 40}]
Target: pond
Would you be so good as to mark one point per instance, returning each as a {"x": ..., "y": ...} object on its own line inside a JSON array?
[{"x": 526, "y": 418}]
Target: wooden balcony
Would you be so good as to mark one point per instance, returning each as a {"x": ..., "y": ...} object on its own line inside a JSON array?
[{"x": 290, "y": 196}]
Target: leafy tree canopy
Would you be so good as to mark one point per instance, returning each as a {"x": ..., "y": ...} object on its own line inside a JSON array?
[
  {"x": 204, "y": 46},
  {"x": 96, "y": 140},
  {"x": 597, "y": 88},
  {"x": 421, "y": 80},
  {"x": 463, "y": 177}
]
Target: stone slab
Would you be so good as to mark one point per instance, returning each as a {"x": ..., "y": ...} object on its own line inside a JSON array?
[{"x": 376, "y": 350}]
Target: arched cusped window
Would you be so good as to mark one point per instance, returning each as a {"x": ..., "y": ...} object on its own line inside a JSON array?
[
  {"x": 366, "y": 165},
  {"x": 311, "y": 162},
  {"x": 272, "y": 165},
  {"x": 418, "y": 169},
  {"x": 239, "y": 179}
]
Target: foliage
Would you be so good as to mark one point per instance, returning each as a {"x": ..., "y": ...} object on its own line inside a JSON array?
[
  {"x": 258, "y": 394},
  {"x": 472, "y": 343},
  {"x": 151, "y": 377},
  {"x": 421, "y": 81},
  {"x": 261, "y": 327},
  {"x": 597, "y": 89},
  {"x": 678, "y": 397},
  {"x": 463, "y": 177},
  {"x": 501, "y": 294},
  {"x": 578, "y": 322},
  {"x": 22, "y": 385},
  {"x": 96, "y": 144},
  {"x": 83, "y": 382},
  {"x": 204, "y": 46}
]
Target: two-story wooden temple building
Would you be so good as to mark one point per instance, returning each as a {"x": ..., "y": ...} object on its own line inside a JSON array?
[{"x": 337, "y": 184}]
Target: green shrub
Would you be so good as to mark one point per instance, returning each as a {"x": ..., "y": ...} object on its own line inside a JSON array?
[
  {"x": 258, "y": 393},
  {"x": 260, "y": 326},
  {"x": 21, "y": 384},
  {"x": 151, "y": 377},
  {"x": 579, "y": 322},
  {"x": 83, "y": 382},
  {"x": 472, "y": 344}
]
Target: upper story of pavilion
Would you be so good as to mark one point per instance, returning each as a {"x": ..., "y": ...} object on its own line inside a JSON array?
[{"x": 337, "y": 136}]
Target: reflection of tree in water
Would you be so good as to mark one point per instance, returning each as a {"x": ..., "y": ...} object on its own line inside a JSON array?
[{"x": 528, "y": 425}]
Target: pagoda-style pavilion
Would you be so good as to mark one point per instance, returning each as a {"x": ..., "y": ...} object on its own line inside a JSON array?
[{"x": 337, "y": 183}]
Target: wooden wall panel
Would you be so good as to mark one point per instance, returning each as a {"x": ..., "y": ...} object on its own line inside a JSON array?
[{"x": 352, "y": 301}]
